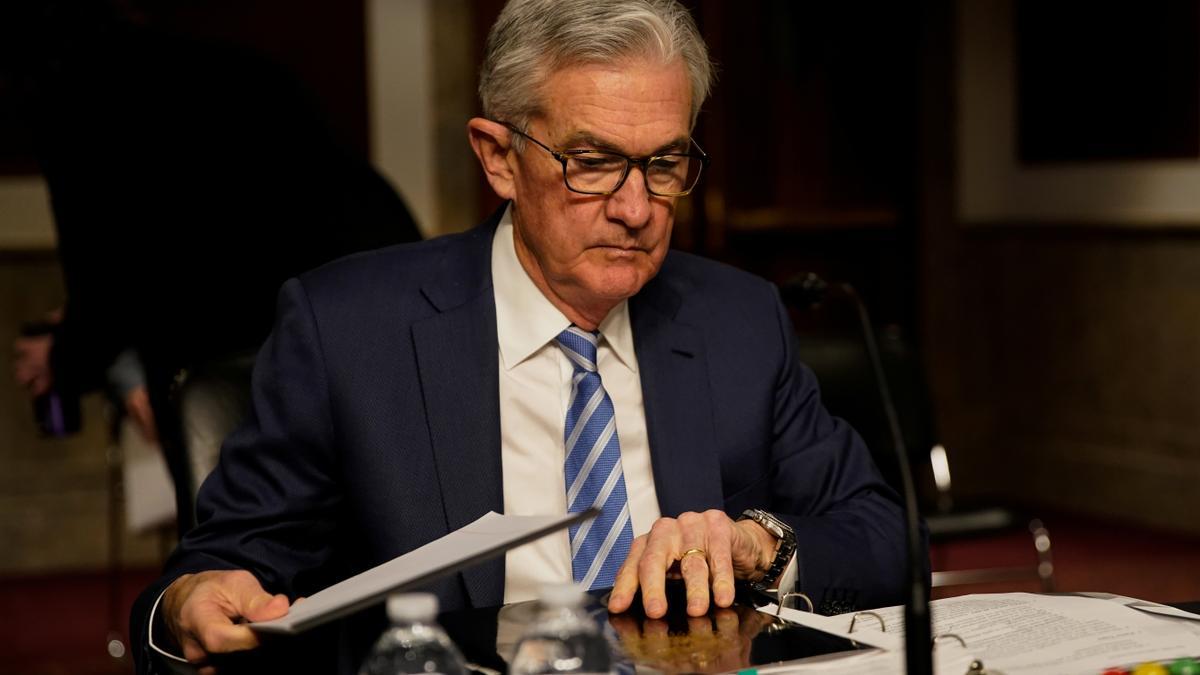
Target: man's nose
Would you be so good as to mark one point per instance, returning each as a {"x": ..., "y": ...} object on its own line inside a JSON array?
[{"x": 631, "y": 204}]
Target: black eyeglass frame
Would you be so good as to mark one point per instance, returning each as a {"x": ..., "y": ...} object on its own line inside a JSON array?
[{"x": 641, "y": 162}]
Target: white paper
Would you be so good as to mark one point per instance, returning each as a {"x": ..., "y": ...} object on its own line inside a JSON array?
[
  {"x": 1145, "y": 605},
  {"x": 149, "y": 495},
  {"x": 488, "y": 536},
  {"x": 838, "y": 626},
  {"x": 887, "y": 657},
  {"x": 1050, "y": 634}
]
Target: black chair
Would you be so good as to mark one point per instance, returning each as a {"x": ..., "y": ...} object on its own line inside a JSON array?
[
  {"x": 202, "y": 404},
  {"x": 833, "y": 329}
]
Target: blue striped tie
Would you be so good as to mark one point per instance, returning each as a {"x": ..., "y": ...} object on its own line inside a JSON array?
[{"x": 593, "y": 469}]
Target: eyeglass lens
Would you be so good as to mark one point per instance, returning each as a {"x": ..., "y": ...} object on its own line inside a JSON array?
[{"x": 603, "y": 172}]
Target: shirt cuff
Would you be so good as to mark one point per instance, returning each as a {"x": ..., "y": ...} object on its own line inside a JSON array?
[{"x": 173, "y": 661}]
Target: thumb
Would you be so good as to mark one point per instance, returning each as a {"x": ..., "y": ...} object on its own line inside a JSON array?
[{"x": 265, "y": 607}]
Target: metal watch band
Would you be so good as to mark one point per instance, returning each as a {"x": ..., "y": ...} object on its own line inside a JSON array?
[{"x": 783, "y": 553}]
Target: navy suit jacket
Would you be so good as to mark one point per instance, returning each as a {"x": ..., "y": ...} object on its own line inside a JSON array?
[{"x": 376, "y": 428}]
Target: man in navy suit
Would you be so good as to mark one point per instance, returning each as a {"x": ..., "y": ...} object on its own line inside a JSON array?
[{"x": 557, "y": 357}]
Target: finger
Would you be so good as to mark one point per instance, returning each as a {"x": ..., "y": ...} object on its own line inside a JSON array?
[
  {"x": 267, "y": 608},
  {"x": 193, "y": 652},
  {"x": 626, "y": 583},
  {"x": 149, "y": 432},
  {"x": 25, "y": 373},
  {"x": 656, "y": 629},
  {"x": 726, "y": 621},
  {"x": 144, "y": 424},
  {"x": 661, "y": 548},
  {"x": 41, "y": 385},
  {"x": 699, "y": 626},
  {"x": 656, "y": 640},
  {"x": 214, "y": 631},
  {"x": 625, "y": 626},
  {"x": 694, "y": 566},
  {"x": 748, "y": 624},
  {"x": 23, "y": 377},
  {"x": 720, "y": 558},
  {"x": 250, "y": 601}
]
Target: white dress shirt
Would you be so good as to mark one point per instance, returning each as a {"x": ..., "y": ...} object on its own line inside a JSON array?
[{"x": 535, "y": 390}]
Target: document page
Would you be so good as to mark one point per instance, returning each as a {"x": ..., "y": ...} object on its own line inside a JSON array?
[
  {"x": 1050, "y": 634},
  {"x": 1145, "y": 605},
  {"x": 888, "y": 657},
  {"x": 489, "y": 536}
]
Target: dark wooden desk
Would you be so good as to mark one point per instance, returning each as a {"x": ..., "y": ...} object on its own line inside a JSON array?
[{"x": 722, "y": 641}]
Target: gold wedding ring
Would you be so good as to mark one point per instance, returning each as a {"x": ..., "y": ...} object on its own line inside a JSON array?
[{"x": 693, "y": 551}]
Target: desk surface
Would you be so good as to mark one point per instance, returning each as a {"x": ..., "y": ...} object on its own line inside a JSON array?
[{"x": 724, "y": 640}]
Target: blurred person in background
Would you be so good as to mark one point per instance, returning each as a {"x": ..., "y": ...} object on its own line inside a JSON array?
[{"x": 188, "y": 179}]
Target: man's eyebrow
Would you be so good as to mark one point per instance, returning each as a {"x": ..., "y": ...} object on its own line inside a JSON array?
[{"x": 586, "y": 138}]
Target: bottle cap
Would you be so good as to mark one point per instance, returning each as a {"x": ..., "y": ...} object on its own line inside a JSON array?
[
  {"x": 562, "y": 595},
  {"x": 412, "y": 607}
]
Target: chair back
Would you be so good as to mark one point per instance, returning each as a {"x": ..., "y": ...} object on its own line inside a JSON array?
[
  {"x": 195, "y": 410},
  {"x": 213, "y": 399},
  {"x": 832, "y": 342}
]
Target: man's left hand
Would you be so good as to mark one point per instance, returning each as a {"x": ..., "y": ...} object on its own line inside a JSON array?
[{"x": 709, "y": 550}]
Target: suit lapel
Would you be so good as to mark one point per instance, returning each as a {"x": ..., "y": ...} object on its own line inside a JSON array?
[
  {"x": 458, "y": 365},
  {"x": 678, "y": 403}
]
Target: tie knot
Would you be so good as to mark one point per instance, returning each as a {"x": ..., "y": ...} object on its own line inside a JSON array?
[{"x": 580, "y": 346}]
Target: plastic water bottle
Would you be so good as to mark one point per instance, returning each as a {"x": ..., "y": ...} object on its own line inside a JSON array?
[
  {"x": 414, "y": 643},
  {"x": 563, "y": 639}
]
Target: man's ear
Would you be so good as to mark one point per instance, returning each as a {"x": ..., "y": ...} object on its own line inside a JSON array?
[{"x": 491, "y": 142}]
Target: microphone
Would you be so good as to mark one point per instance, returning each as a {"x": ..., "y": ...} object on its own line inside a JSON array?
[{"x": 810, "y": 289}]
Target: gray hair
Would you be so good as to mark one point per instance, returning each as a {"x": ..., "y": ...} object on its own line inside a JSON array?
[{"x": 533, "y": 38}]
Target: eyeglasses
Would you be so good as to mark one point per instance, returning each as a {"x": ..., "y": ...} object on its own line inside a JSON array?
[{"x": 594, "y": 172}]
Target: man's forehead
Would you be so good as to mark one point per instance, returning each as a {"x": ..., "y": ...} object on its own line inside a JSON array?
[
  {"x": 616, "y": 106},
  {"x": 598, "y": 140}
]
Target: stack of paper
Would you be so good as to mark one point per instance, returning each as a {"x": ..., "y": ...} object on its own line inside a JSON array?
[{"x": 1029, "y": 633}]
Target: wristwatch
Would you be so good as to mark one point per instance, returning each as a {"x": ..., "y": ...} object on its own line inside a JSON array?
[{"x": 783, "y": 552}]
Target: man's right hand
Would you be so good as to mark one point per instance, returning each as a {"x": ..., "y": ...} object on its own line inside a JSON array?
[
  {"x": 204, "y": 612},
  {"x": 31, "y": 363}
]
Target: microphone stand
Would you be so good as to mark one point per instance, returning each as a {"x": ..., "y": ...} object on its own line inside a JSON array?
[{"x": 918, "y": 630}]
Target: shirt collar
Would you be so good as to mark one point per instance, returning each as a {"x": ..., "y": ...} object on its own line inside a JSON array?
[{"x": 526, "y": 320}]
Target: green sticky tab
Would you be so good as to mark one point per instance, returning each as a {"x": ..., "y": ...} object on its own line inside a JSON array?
[{"x": 1185, "y": 666}]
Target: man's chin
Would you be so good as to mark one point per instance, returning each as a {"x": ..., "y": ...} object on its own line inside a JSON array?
[{"x": 617, "y": 287}]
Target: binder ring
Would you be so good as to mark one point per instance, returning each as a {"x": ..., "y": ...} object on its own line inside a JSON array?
[
  {"x": 945, "y": 636},
  {"x": 788, "y": 596},
  {"x": 877, "y": 617}
]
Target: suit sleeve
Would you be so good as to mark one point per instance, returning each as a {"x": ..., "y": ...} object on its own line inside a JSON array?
[
  {"x": 270, "y": 506},
  {"x": 849, "y": 523}
]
